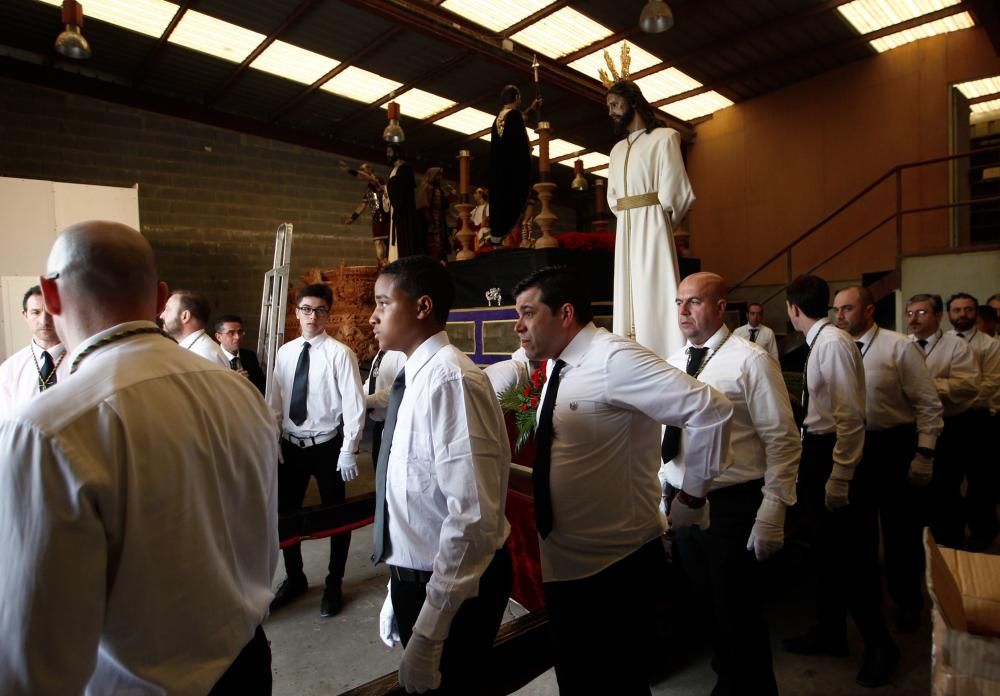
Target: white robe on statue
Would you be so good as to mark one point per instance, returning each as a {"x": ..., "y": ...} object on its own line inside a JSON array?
[{"x": 646, "y": 274}]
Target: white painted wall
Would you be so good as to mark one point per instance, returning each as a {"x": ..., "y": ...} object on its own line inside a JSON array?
[{"x": 974, "y": 272}]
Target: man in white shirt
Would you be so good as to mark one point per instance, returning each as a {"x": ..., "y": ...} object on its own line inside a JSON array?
[
  {"x": 981, "y": 494},
  {"x": 830, "y": 490},
  {"x": 596, "y": 486},
  {"x": 229, "y": 333},
  {"x": 441, "y": 487},
  {"x": 385, "y": 367},
  {"x": 148, "y": 480},
  {"x": 185, "y": 317},
  {"x": 748, "y": 500},
  {"x": 34, "y": 368},
  {"x": 755, "y": 332},
  {"x": 955, "y": 373},
  {"x": 320, "y": 406},
  {"x": 903, "y": 423}
]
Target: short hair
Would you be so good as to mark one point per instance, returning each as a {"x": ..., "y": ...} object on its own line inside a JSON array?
[
  {"x": 634, "y": 96},
  {"x": 936, "y": 304},
  {"x": 993, "y": 297},
  {"x": 962, "y": 296},
  {"x": 195, "y": 303},
  {"x": 864, "y": 294},
  {"x": 755, "y": 304},
  {"x": 33, "y": 290},
  {"x": 811, "y": 294},
  {"x": 397, "y": 149},
  {"x": 559, "y": 285},
  {"x": 421, "y": 275},
  {"x": 509, "y": 94},
  {"x": 226, "y": 319},
  {"x": 987, "y": 313},
  {"x": 319, "y": 290}
]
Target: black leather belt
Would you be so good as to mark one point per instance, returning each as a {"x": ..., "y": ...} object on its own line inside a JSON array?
[{"x": 409, "y": 575}]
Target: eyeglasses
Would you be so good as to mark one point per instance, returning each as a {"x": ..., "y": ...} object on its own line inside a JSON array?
[
  {"x": 918, "y": 312},
  {"x": 309, "y": 311}
]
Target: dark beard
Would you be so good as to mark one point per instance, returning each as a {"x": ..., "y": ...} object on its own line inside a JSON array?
[
  {"x": 620, "y": 127},
  {"x": 963, "y": 324}
]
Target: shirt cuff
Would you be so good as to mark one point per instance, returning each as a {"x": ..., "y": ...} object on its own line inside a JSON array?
[
  {"x": 844, "y": 473},
  {"x": 926, "y": 440},
  {"x": 433, "y": 622}
]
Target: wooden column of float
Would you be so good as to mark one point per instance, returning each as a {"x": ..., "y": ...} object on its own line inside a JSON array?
[{"x": 544, "y": 187}]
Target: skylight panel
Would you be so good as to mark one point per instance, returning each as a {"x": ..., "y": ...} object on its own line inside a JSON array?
[
  {"x": 149, "y": 17},
  {"x": 495, "y": 16},
  {"x": 594, "y": 159},
  {"x": 665, "y": 84},
  {"x": 294, "y": 63},
  {"x": 941, "y": 26},
  {"x": 215, "y": 37},
  {"x": 561, "y": 33},
  {"x": 416, "y": 103},
  {"x": 871, "y": 15},
  {"x": 603, "y": 173},
  {"x": 361, "y": 85},
  {"x": 986, "y": 106},
  {"x": 697, "y": 106},
  {"x": 467, "y": 121},
  {"x": 980, "y": 88},
  {"x": 558, "y": 148},
  {"x": 591, "y": 63}
]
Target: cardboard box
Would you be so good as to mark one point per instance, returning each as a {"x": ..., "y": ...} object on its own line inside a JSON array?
[{"x": 965, "y": 589}]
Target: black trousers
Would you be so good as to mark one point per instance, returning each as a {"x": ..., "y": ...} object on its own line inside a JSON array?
[
  {"x": 319, "y": 461},
  {"x": 725, "y": 579},
  {"x": 250, "y": 673},
  {"x": 467, "y": 667},
  {"x": 960, "y": 455},
  {"x": 845, "y": 545},
  {"x": 603, "y": 626},
  {"x": 377, "y": 428},
  {"x": 900, "y": 507}
]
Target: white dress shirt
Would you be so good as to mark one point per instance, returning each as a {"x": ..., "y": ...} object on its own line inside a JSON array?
[
  {"x": 613, "y": 397},
  {"x": 765, "y": 338},
  {"x": 836, "y": 380},
  {"x": 987, "y": 353},
  {"x": 138, "y": 513},
  {"x": 898, "y": 386},
  {"x": 335, "y": 397},
  {"x": 376, "y": 403},
  {"x": 19, "y": 375},
  {"x": 446, "y": 483},
  {"x": 764, "y": 442},
  {"x": 506, "y": 373},
  {"x": 200, "y": 343},
  {"x": 953, "y": 368}
]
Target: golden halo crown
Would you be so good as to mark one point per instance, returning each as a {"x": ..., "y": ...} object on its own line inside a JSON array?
[{"x": 619, "y": 74}]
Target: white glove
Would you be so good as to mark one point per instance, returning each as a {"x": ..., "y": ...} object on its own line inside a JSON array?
[
  {"x": 388, "y": 631},
  {"x": 921, "y": 469},
  {"x": 420, "y": 669},
  {"x": 682, "y": 515},
  {"x": 347, "y": 465},
  {"x": 768, "y": 533},
  {"x": 836, "y": 493}
]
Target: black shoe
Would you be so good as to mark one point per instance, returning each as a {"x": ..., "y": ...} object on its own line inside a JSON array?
[
  {"x": 878, "y": 666},
  {"x": 816, "y": 642},
  {"x": 333, "y": 600},
  {"x": 907, "y": 620},
  {"x": 289, "y": 590}
]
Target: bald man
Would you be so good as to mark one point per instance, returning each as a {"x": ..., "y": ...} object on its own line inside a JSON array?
[
  {"x": 747, "y": 500},
  {"x": 185, "y": 317},
  {"x": 137, "y": 501}
]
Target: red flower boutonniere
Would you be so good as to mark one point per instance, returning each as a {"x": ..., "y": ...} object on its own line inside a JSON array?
[{"x": 522, "y": 400}]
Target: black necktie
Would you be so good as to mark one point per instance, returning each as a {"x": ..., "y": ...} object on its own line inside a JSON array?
[
  {"x": 234, "y": 364},
  {"x": 960, "y": 334},
  {"x": 46, "y": 378},
  {"x": 860, "y": 345},
  {"x": 298, "y": 410},
  {"x": 373, "y": 375},
  {"x": 381, "y": 544},
  {"x": 922, "y": 342},
  {"x": 543, "y": 454},
  {"x": 753, "y": 335},
  {"x": 671, "y": 444}
]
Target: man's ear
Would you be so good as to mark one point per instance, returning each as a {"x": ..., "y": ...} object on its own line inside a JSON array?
[
  {"x": 162, "y": 295},
  {"x": 425, "y": 307},
  {"x": 50, "y": 294},
  {"x": 567, "y": 314}
]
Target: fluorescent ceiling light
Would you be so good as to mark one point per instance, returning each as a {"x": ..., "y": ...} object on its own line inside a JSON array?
[
  {"x": 361, "y": 85},
  {"x": 149, "y": 17},
  {"x": 603, "y": 173},
  {"x": 594, "y": 159},
  {"x": 215, "y": 37},
  {"x": 697, "y": 106},
  {"x": 558, "y": 148},
  {"x": 980, "y": 88},
  {"x": 591, "y": 63},
  {"x": 941, "y": 26},
  {"x": 871, "y": 15},
  {"x": 294, "y": 63},
  {"x": 494, "y": 15},
  {"x": 986, "y": 106},
  {"x": 665, "y": 84},
  {"x": 467, "y": 121},
  {"x": 561, "y": 33},
  {"x": 416, "y": 103}
]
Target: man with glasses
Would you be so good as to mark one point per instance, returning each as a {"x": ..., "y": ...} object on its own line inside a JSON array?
[
  {"x": 956, "y": 378},
  {"x": 229, "y": 332},
  {"x": 318, "y": 399}
]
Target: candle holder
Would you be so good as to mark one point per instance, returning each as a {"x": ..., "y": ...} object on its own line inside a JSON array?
[
  {"x": 546, "y": 217},
  {"x": 600, "y": 223},
  {"x": 465, "y": 235}
]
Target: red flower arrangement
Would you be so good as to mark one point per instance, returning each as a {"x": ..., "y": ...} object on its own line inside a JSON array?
[{"x": 522, "y": 400}]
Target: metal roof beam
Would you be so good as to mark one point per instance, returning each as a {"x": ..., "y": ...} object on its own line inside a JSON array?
[{"x": 154, "y": 55}]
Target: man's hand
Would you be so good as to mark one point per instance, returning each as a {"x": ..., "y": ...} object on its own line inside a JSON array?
[
  {"x": 347, "y": 465},
  {"x": 388, "y": 630},
  {"x": 242, "y": 373},
  {"x": 921, "y": 470},
  {"x": 683, "y": 515},
  {"x": 768, "y": 533},
  {"x": 420, "y": 669},
  {"x": 836, "y": 493}
]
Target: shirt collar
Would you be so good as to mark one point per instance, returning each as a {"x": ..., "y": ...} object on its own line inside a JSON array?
[
  {"x": 713, "y": 342},
  {"x": 229, "y": 356},
  {"x": 931, "y": 340},
  {"x": 55, "y": 351},
  {"x": 968, "y": 334},
  {"x": 107, "y": 333},
  {"x": 190, "y": 339},
  {"x": 423, "y": 354},
  {"x": 316, "y": 340},
  {"x": 815, "y": 329},
  {"x": 576, "y": 349},
  {"x": 868, "y": 335}
]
